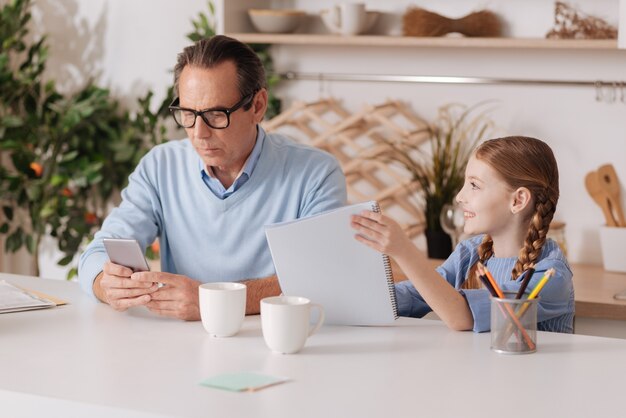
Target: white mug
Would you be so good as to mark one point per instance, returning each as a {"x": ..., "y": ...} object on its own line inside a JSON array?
[
  {"x": 353, "y": 18},
  {"x": 222, "y": 307},
  {"x": 285, "y": 322},
  {"x": 347, "y": 18}
]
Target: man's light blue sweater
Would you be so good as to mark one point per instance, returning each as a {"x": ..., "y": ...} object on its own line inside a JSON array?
[{"x": 203, "y": 237}]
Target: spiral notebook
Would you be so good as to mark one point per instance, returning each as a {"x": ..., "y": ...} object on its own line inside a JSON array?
[{"x": 318, "y": 258}]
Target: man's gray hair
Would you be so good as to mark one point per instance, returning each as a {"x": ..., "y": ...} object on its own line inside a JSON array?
[{"x": 207, "y": 53}]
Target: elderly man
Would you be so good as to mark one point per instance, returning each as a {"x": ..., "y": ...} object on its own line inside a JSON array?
[{"x": 207, "y": 197}]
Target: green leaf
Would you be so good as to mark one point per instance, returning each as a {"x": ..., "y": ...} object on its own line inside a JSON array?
[
  {"x": 14, "y": 241},
  {"x": 4, "y": 228},
  {"x": 48, "y": 209},
  {"x": 69, "y": 156},
  {"x": 72, "y": 273},
  {"x": 65, "y": 260},
  {"x": 4, "y": 60},
  {"x": 8, "y": 212},
  {"x": 80, "y": 181},
  {"x": 96, "y": 166},
  {"x": 11, "y": 121},
  {"x": 194, "y": 37},
  {"x": 94, "y": 178},
  {"x": 30, "y": 244},
  {"x": 33, "y": 192},
  {"x": 57, "y": 180},
  {"x": 123, "y": 155}
]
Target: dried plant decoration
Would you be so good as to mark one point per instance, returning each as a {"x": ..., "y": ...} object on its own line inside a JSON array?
[
  {"x": 570, "y": 23},
  {"x": 438, "y": 165},
  {"x": 421, "y": 22}
]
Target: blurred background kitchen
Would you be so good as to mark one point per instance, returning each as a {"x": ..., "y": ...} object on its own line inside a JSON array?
[{"x": 570, "y": 93}]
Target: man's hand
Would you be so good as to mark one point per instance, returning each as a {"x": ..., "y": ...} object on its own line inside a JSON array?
[
  {"x": 178, "y": 298},
  {"x": 115, "y": 287}
]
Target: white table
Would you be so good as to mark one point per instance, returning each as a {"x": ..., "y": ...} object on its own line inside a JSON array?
[{"x": 86, "y": 360}]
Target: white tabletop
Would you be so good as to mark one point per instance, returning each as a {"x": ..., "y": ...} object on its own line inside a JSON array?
[{"x": 85, "y": 359}]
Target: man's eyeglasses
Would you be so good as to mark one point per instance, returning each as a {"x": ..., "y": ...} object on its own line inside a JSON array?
[{"x": 216, "y": 117}]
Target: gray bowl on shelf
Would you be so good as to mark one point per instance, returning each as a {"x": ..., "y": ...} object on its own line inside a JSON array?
[{"x": 276, "y": 20}]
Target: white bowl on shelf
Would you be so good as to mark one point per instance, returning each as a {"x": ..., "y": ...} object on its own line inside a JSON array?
[{"x": 276, "y": 20}]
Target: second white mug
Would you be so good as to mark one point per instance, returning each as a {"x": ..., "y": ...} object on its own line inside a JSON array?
[{"x": 285, "y": 322}]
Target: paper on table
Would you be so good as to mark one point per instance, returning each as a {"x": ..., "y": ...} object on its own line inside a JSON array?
[
  {"x": 242, "y": 382},
  {"x": 14, "y": 299}
]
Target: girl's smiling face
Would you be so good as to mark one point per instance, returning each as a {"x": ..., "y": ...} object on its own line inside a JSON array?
[{"x": 486, "y": 200}]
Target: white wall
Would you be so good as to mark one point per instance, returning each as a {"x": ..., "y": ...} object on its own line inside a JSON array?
[
  {"x": 127, "y": 45},
  {"x": 130, "y": 46}
]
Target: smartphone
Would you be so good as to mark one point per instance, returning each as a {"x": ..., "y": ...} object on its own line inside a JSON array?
[{"x": 126, "y": 252}]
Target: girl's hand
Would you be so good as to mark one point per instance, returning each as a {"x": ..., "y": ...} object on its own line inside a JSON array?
[{"x": 381, "y": 233}]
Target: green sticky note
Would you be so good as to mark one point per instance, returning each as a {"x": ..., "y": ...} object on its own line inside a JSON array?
[{"x": 244, "y": 381}]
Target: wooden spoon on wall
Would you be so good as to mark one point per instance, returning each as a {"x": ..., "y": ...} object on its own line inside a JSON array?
[
  {"x": 600, "y": 196},
  {"x": 609, "y": 181}
]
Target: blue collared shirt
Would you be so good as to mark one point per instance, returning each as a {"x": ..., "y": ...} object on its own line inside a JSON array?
[{"x": 218, "y": 188}]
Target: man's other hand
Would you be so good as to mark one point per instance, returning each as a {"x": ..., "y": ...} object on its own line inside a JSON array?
[{"x": 178, "y": 298}]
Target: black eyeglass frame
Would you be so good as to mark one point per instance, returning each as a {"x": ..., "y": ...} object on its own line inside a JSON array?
[{"x": 245, "y": 100}]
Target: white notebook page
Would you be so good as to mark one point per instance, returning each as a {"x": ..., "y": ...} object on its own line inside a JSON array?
[{"x": 319, "y": 258}]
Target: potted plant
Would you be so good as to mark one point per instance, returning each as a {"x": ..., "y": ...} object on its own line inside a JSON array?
[
  {"x": 438, "y": 164},
  {"x": 64, "y": 155}
]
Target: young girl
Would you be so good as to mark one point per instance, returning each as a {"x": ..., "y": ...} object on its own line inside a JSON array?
[{"x": 509, "y": 197}]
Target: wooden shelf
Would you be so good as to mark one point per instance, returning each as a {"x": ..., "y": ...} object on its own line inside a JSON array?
[{"x": 406, "y": 41}]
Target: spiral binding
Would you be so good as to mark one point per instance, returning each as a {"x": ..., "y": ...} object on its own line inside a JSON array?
[{"x": 388, "y": 272}]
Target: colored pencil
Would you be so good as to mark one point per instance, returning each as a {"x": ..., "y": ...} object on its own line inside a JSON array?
[
  {"x": 541, "y": 284},
  {"x": 535, "y": 292},
  {"x": 482, "y": 269},
  {"x": 486, "y": 283},
  {"x": 525, "y": 281}
]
